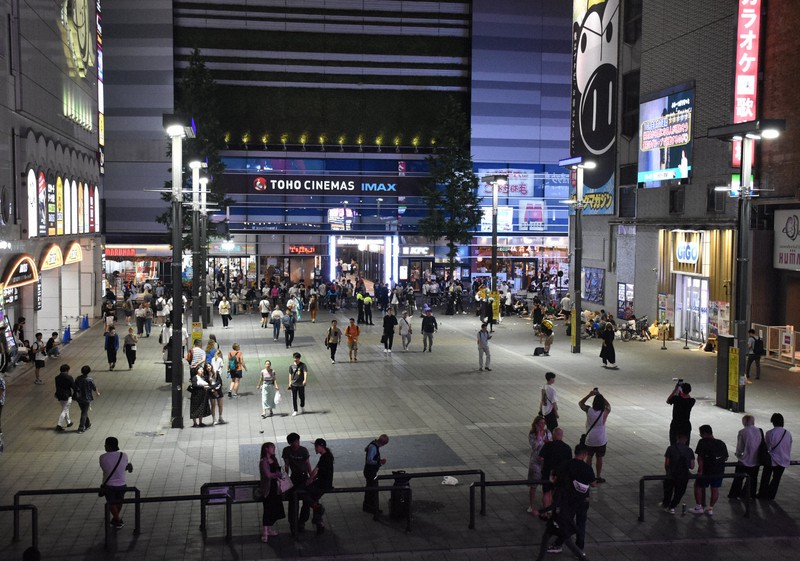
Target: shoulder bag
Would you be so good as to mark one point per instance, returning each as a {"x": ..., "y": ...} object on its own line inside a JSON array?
[
  {"x": 584, "y": 435},
  {"x": 102, "y": 491}
]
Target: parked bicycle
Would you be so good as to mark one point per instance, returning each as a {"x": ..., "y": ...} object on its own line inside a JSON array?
[{"x": 635, "y": 329}]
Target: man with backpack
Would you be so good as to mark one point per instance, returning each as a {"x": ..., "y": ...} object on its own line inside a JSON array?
[
  {"x": 289, "y": 321},
  {"x": 755, "y": 350}
]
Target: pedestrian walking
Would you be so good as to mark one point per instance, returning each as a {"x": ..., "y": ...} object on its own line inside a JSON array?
[
  {"x": 711, "y": 455},
  {"x": 351, "y": 333},
  {"x": 224, "y": 308},
  {"x": 313, "y": 307},
  {"x": 65, "y": 388},
  {"x": 148, "y": 320},
  {"x": 139, "y": 314},
  {"x": 595, "y": 438},
  {"x": 372, "y": 464},
  {"x": 266, "y": 383},
  {"x": 289, "y": 322},
  {"x": 236, "y": 366},
  {"x": 404, "y": 327},
  {"x": 755, "y": 349},
  {"x": 483, "y": 348},
  {"x": 129, "y": 345},
  {"x": 114, "y": 463},
  {"x": 332, "y": 339},
  {"x": 111, "y": 346},
  {"x": 607, "y": 352},
  {"x": 298, "y": 377},
  {"x": 779, "y": 445},
  {"x": 429, "y": 327},
  {"x": 264, "y": 308},
  {"x": 548, "y": 406},
  {"x": 389, "y": 323},
  {"x": 276, "y": 318},
  {"x": 84, "y": 390},
  {"x": 270, "y": 472}
]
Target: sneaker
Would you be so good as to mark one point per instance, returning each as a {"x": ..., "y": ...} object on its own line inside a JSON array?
[
  {"x": 69, "y": 424},
  {"x": 333, "y": 361},
  {"x": 118, "y": 525},
  {"x": 488, "y": 369},
  {"x": 554, "y": 549},
  {"x": 709, "y": 511},
  {"x": 221, "y": 421},
  {"x": 390, "y": 350},
  {"x": 748, "y": 381},
  {"x": 671, "y": 510},
  {"x": 230, "y": 394},
  {"x": 697, "y": 509},
  {"x": 386, "y": 350},
  {"x": 38, "y": 382},
  {"x": 59, "y": 428},
  {"x": 294, "y": 413},
  {"x": 81, "y": 431},
  {"x": 480, "y": 369}
]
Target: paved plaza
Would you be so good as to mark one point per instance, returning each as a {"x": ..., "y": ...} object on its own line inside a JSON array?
[{"x": 439, "y": 411}]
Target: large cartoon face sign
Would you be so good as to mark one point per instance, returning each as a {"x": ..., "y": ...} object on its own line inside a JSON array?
[{"x": 596, "y": 75}]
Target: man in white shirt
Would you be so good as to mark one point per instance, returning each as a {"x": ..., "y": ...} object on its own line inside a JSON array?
[
  {"x": 779, "y": 444},
  {"x": 747, "y": 442},
  {"x": 549, "y": 404},
  {"x": 566, "y": 306},
  {"x": 114, "y": 464}
]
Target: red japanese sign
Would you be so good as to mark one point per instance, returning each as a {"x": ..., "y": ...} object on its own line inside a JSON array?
[{"x": 745, "y": 92}]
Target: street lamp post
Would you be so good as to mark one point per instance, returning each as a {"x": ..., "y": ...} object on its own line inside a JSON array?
[
  {"x": 579, "y": 165},
  {"x": 177, "y": 131},
  {"x": 748, "y": 133},
  {"x": 203, "y": 272},
  {"x": 496, "y": 181},
  {"x": 196, "y": 277}
]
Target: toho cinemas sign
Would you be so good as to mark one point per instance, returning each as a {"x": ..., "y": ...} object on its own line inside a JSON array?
[{"x": 345, "y": 185}]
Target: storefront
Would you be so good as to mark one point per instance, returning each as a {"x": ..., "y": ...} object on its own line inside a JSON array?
[
  {"x": 695, "y": 272},
  {"x": 136, "y": 264},
  {"x": 525, "y": 259}
]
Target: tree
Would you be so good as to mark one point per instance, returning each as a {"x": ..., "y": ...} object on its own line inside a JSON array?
[
  {"x": 454, "y": 211},
  {"x": 197, "y": 98}
]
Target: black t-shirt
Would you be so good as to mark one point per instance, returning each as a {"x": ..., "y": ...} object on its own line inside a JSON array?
[
  {"x": 388, "y": 323},
  {"x": 296, "y": 459},
  {"x": 576, "y": 470},
  {"x": 554, "y": 454},
  {"x": 325, "y": 471},
  {"x": 680, "y": 460},
  {"x": 681, "y": 410},
  {"x": 713, "y": 453}
]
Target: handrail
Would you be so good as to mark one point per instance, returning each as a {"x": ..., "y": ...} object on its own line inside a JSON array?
[
  {"x": 443, "y": 473},
  {"x": 173, "y": 498},
  {"x": 204, "y": 490},
  {"x": 79, "y": 491},
  {"x": 34, "y": 520},
  {"x": 295, "y": 498},
  {"x": 740, "y": 475},
  {"x": 504, "y": 483}
]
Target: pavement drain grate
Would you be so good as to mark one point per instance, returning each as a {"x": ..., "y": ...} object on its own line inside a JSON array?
[
  {"x": 149, "y": 434},
  {"x": 427, "y": 506}
]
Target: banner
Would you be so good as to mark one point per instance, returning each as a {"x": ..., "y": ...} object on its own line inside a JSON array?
[{"x": 593, "y": 126}]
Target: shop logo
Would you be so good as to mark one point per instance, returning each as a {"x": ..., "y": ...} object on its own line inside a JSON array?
[
  {"x": 688, "y": 252},
  {"x": 379, "y": 187},
  {"x": 76, "y": 29},
  {"x": 260, "y": 184},
  {"x": 792, "y": 228}
]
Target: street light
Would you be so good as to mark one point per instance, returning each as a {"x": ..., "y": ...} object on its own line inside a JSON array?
[
  {"x": 496, "y": 181},
  {"x": 747, "y": 133},
  {"x": 196, "y": 166},
  {"x": 228, "y": 246},
  {"x": 578, "y": 164},
  {"x": 203, "y": 273},
  {"x": 177, "y": 129}
]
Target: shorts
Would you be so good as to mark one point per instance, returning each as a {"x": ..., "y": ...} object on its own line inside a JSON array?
[
  {"x": 598, "y": 451},
  {"x": 352, "y": 345},
  {"x": 264, "y": 315},
  {"x": 714, "y": 482},
  {"x": 39, "y": 364},
  {"x": 113, "y": 494},
  {"x": 235, "y": 374},
  {"x": 109, "y": 320}
]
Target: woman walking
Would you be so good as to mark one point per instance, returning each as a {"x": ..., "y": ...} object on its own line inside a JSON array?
[
  {"x": 266, "y": 383},
  {"x": 224, "y": 312},
  {"x": 130, "y": 347},
  {"x": 312, "y": 307},
  {"x": 235, "y": 367},
  {"x": 275, "y": 319},
  {"x": 215, "y": 392},
  {"x": 270, "y": 471},
  {"x": 111, "y": 346},
  {"x": 199, "y": 406},
  {"x": 405, "y": 330},
  {"x": 537, "y": 437},
  {"x": 607, "y": 352}
]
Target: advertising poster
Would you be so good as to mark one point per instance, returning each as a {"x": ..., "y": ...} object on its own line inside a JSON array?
[
  {"x": 59, "y": 206},
  {"x": 42, "y": 198},
  {"x": 68, "y": 207},
  {"x": 624, "y": 300},
  {"x": 81, "y": 221},
  {"x": 593, "y": 126},
  {"x": 665, "y": 138},
  {"x": 91, "y": 210},
  {"x": 74, "y": 197},
  {"x": 594, "y": 285},
  {"x": 733, "y": 374},
  {"x": 96, "y": 209},
  {"x": 51, "y": 208},
  {"x": 33, "y": 217},
  {"x": 505, "y": 219},
  {"x": 86, "y": 208},
  {"x": 532, "y": 215},
  {"x": 786, "y": 249}
]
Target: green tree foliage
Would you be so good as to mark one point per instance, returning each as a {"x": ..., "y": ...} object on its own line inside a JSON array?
[
  {"x": 197, "y": 98},
  {"x": 454, "y": 211}
]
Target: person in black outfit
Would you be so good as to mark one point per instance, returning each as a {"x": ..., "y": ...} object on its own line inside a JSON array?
[
  {"x": 553, "y": 455},
  {"x": 373, "y": 463},
  {"x": 320, "y": 480},
  {"x": 682, "y": 404},
  {"x": 270, "y": 471},
  {"x": 296, "y": 464},
  {"x": 678, "y": 460},
  {"x": 389, "y": 323},
  {"x": 84, "y": 386}
]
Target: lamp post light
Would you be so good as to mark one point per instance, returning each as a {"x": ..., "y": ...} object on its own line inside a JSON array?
[
  {"x": 196, "y": 166},
  {"x": 496, "y": 181},
  {"x": 579, "y": 165},
  {"x": 177, "y": 129},
  {"x": 748, "y": 132},
  {"x": 203, "y": 272}
]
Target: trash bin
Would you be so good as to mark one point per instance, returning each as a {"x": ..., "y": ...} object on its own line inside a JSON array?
[
  {"x": 168, "y": 372},
  {"x": 400, "y": 500}
]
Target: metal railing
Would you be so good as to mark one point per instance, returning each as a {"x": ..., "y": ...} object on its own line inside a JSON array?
[
  {"x": 172, "y": 499},
  {"x": 81, "y": 491},
  {"x": 483, "y": 484},
  {"x": 34, "y": 520},
  {"x": 442, "y": 473},
  {"x": 742, "y": 475},
  {"x": 251, "y": 484}
]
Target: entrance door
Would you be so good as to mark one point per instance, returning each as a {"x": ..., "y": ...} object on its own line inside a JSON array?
[{"x": 692, "y": 317}]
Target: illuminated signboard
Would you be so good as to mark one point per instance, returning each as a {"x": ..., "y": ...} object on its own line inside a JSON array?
[
  {"x": 532, "y": 215},
  {"x": 416, "y": 250},
  {"x": 505, "y": 219},
  {"x": 101, "y": 118},
  {"x": 302, "y": 249},
  {"x": 120, "y": 252},
  {"x": 52, "y": 258},
  {"x": 41, "y": 187},
  {"x": 745, "y": 87},
  {"x": 59, "y": 207},
  {"x": 74, "y": 254},
  {"x": 33, "y": 214},
  {"x": 665, "y": 138},
  {"x": 20, "y": 272},
  {"x": 340, "y": 218}
]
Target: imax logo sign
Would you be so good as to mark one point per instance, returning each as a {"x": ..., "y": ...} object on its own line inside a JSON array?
[
  {"x": 687, "y": 252},
  {"x": 379, "y": 187}
]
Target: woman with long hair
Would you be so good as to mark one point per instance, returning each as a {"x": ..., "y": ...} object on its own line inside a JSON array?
[
  {"x": 270, "y": 471},
  {"x": 537, "y": 437},
  {"x": 266, "y": 383}
]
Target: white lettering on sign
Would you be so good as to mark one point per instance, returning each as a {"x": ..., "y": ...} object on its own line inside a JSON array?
[
  {"x": 687, "y": 252},
  {"x": 416, "y": 250}
]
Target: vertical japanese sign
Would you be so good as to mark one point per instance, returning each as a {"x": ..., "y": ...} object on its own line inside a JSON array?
[
  {"x": 593, "y": 119},
  {"x": 41, "y": 185},
  {"x": 745, "y": 89},
  {"x": 33, "y": 215},
  {"x": 59, "y": 206},
  {"x": 51, "y": 208}
]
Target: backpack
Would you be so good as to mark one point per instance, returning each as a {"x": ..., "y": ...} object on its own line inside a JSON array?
[
  {"x": 159, "y": 304},
  {"x": 233, "y": 362},
  {"x": 287, "y": 320},
  {"x": 547, "y": 324},
  {"x": 758, "y": 347}
]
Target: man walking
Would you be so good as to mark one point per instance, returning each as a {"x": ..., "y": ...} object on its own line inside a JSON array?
[
  {"x": 483, "y": 347},
  {"x": 372, "y": 464},
  {"x": 351, "y": 333},
  {"x": 264, "y": 308},
  {"x": 429, "y": 327},
  {"x": 333, "y": 338},
  {"x": 711, "y": 457},
  {"x": 549, "y": 405},
  {"x": 747, "y": 443},
  {"x": 65, "y": 386},
  {"x": 682, "y": 404},
  {"x": 289, "y": 322},
  {"x": 298, "y": 376},
  {"x": 84, "y": 386},
  {"x": 755, "y": 348}
]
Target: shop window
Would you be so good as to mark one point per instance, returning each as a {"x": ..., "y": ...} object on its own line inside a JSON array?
[
  {"x": 627, "y": 202},
  {"x": 676, "y": 200},
  {"x": 630, "y": 104},
  {"x": 632, "y": 31}
]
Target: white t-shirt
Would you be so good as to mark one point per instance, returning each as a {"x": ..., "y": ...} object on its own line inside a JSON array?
[
  {"x": 107, "y": 463},
  {"x": 551, "y": 396},
  {"x": 596, "y": 436}
]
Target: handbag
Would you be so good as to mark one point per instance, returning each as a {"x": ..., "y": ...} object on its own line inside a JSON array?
[
  {"x": 102, "y": 491},
  {"x": 383, "y": 339},
  {"x": 583, "y": 436},
  {"x": 285, "y": 484}
]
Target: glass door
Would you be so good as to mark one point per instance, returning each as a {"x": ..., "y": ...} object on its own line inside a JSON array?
[{"x": 692, "y": 313}]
